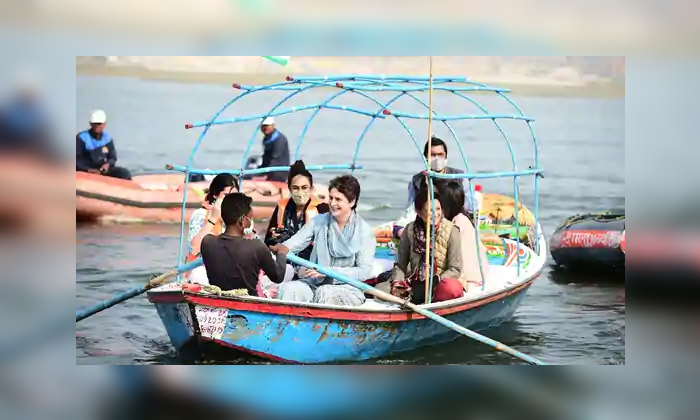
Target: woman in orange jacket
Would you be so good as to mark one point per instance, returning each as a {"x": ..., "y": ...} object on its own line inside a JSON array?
[{"x": 291, "y": 214}]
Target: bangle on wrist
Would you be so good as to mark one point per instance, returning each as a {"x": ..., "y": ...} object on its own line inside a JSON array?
[{"x": 213, "y": 223}]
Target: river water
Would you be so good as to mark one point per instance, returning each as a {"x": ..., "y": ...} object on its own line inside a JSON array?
[{"x": 566, "y": 318}]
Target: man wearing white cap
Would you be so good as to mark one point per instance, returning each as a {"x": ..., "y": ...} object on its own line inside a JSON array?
[
  {"x": 275, "y": 150},
  {"x": 95, "y": 151}
]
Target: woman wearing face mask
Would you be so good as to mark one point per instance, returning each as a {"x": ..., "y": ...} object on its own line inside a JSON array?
[
  {"x": 207, "y": 220},
  {"x": 234, "y": 262},
  {"x": 409, "y": 273},
  {"x": 343, "y": 242},
  {"x": 291, "y": 214}
]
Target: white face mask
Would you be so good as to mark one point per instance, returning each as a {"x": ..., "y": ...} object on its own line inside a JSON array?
[
  {"x": 249, "y": 230},
  {"x": 437, "y": 164}
]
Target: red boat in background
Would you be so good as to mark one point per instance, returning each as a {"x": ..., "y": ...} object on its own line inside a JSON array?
[{"x": 158, "y": 197}]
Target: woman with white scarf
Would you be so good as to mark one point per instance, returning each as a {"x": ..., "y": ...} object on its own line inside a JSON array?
[{"x": 343, "y": 242}]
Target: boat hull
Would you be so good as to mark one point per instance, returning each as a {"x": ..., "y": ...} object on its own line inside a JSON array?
[
  {"x": 590, "y": 241},
  {"x": 286, "y": 332}
]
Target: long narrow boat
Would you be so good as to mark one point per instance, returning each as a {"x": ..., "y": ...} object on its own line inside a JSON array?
[
  {"x": 158, "y": 197},
  {"x": 200, "y": 318},
  {"x": 311, "y": 333}
]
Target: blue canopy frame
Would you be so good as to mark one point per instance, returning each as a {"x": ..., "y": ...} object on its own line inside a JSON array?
[{"x": 365, "y": 85}]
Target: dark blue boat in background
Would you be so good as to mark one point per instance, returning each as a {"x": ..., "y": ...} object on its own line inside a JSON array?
[{"x": 590, "y": 241}]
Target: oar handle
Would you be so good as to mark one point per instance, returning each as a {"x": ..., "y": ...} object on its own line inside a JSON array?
[
  {"x": 426, "y": 313},
  {"x": 157, "y": 281}
]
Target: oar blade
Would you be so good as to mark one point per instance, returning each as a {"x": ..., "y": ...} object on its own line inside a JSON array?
[{"x": 426, "y": 313}]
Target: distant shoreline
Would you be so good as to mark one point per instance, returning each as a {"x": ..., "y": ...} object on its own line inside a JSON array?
[{"x": 611, "y": 90}]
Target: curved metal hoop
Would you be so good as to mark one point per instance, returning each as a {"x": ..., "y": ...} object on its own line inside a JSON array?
[{"x": 366, "y": 86}]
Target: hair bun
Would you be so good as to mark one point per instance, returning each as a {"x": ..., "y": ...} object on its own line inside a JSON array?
[{"x": 299, "y": 165}]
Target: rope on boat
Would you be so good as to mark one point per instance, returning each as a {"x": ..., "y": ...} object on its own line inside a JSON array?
[
  {"x": 604, "y": 216},
  {"x": 216, "y": 290}
]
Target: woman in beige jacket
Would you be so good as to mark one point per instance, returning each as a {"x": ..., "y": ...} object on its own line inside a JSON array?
[
  {"x": 409, "y": 273},
  {"x": 453, "y": 209}
]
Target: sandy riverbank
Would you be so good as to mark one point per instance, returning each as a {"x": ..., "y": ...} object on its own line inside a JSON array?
[{"x": 589, "y": 90}]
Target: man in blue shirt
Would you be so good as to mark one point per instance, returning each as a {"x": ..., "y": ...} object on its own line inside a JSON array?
[
  {"x": 95, "y": 151},
  {"x": 275, "y": 150}
]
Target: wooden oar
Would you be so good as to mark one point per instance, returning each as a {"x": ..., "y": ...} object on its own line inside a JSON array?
[
  {"x": 426, "y": 313},
  {"x": 431, "y": 215},
  {"x": 80, "y": 315}
]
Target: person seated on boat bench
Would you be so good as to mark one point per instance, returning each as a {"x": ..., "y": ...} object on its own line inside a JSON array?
[
  {"x": 292, "y": 213},
  {"x": 95, "y": 151},
  {"x": 452, "y": 200},
  {"x": 234, "y": 262},
  {"x": 437, "y": 158},
  {"x": 207, "y": 220},
  {"x": 275, "y": 150},
  {"x": 342, "y": 242},
  {"x": 409, "y": 273}
]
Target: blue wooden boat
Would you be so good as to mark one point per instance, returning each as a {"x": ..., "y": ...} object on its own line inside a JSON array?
[{"x": 312, "y": 333}]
